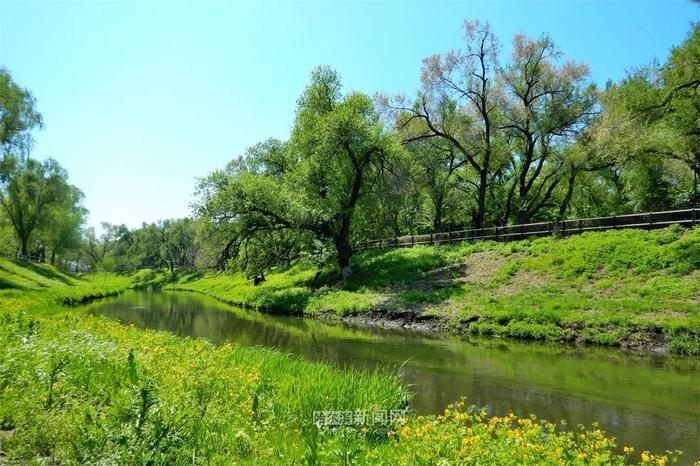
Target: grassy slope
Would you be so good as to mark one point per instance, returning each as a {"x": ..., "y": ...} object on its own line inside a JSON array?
[
  {"x": 629, "y": 287},
  {"x": 76, "y": 388}
]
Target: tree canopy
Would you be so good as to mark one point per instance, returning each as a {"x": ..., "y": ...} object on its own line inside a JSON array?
[{"x": 488, "y": 139}]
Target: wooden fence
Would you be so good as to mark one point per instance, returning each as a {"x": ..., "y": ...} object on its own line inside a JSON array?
[
  {"x": 648, "y": 220},
  {"x": 25, "y": 257}
]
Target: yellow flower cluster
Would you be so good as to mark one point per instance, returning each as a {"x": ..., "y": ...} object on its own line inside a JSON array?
[{"x": 504, "y": 440}]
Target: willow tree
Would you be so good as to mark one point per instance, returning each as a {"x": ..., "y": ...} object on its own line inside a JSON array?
[
  {"x": 666, "y": 100},
  {"x": 455, "y": 117},
  {"x": 18, "y": 115},
  {"x": 61, "y": 225},
  {"x": 29, "y": 190},
  {"x": 337, "y": 145},
  {"x": 546, "y": 104}
]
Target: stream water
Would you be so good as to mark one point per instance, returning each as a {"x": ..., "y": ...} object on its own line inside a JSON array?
[{"x": 651, "y": 402}]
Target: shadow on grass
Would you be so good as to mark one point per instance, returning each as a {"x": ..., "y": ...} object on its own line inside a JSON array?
[
  {"x": 46, "y": 272},
  {"x": 378, "y": 269},
  {"x": 159, "y": 278},
  {"x": 7, "y": 284}
]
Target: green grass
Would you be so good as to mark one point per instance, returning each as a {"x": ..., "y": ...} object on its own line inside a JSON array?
[
  {"x": 628, "y": 287},
  {"x": 80, "y": 388}
]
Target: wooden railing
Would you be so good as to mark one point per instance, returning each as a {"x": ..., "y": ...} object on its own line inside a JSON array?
[
  {"x": 28, "y": 258},
  {"x": 648, "y": 220}
]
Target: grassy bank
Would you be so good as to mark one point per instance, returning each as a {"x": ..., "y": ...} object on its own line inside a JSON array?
[
  {"x": 77, "y": 388},
  {"x": 631, "y": 287}
]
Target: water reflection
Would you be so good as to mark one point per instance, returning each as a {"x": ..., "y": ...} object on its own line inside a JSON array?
[{"x": 650, "y": 402}]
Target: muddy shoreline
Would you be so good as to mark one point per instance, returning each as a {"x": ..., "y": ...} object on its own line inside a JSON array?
[{"x": 437, "y": 326}]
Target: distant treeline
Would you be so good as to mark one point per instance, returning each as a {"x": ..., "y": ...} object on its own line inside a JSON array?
[{"x": 482, "y": 143}]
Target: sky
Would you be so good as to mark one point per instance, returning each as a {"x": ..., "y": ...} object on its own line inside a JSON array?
[{"x": 141, "y": 98}]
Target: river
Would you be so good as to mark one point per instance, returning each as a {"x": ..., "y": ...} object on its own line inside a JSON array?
[{"x": 650, "y": 402}]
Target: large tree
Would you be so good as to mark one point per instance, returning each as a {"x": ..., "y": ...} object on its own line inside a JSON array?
[
  {"x": 337, "y": 145},
  {"x": 61, "y": 226},
  {"x": 456, "y": 110},
  {"x": 546, "y": 104},
  {"x": 18, "y": 115},
  {"x": 666, "y": 99},
  {"x": 29, "y": 190}
]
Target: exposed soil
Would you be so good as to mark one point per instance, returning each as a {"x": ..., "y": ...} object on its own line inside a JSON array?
[
  {"x": 522, "y": 280},
  {"x": 480, "y": 267},
  {"x": 654, "y": 342}
]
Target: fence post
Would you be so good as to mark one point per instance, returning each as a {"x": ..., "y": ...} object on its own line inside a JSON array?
[
  {"x": 412, "y": 240},
  {"x": 396, "y": 241},
  {"x": 694, "y": 218},
  {"x": 431, "y": 237},
  {"x": 651, "y": 220},
  {"x": 580, "y": 227},
  {"x": 449, "y": 234}
]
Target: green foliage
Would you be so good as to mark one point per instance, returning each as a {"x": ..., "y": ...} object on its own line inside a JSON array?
[
  {"x": 17, "y": 114},
  {"x": 282, "y": 198},
  {"x": 170, "y": 244},
  {"x": 33, "y": 194}
]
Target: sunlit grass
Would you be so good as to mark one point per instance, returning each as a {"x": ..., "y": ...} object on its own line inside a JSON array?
[
  {"x": 631, "y": 287},
  {"x": 80, "y": 388}
]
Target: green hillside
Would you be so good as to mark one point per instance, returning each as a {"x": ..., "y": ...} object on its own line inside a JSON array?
[
  {"x": 630, "y": 287},
  {"x": 28, "y": 282}
]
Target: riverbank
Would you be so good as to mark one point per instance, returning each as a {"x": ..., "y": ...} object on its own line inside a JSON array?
[
  {"x": 78, "y": 387},
  {"x": 630, "y": 288}
]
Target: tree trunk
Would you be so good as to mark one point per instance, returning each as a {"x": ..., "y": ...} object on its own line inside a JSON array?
[
  {"x": 481, "y": 201},
  {"x": 523, "y": 216},
  {"x": 24, "y": 245},
  {"x": 343, "y": 247},
  {"x": 53, "y": 256},
  {"x": 439, "y": 200},
  {"x": 564, "y": 206}
]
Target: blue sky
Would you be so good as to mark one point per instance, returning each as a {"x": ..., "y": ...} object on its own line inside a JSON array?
[{"x": 140, "y": 98}]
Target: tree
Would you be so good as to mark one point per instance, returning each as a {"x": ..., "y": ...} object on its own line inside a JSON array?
[
  {"x": 99, "y": 248},
  {"x": 670, "y": 101},
  {"x": 17, "y": 114},
  {"x": 337, "y": 143},
  {"x": 394, "y": 201},
  {"x": 457, "y": 106},
  {"x": 177, "y": 247},
  {"x": 61, "y": 226},
  {"x": 29, "y": 189},
  {"x": 649, "y": 125},
  {"x": 545, "y": 106},
  {"x": 441, "y": 168}
]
